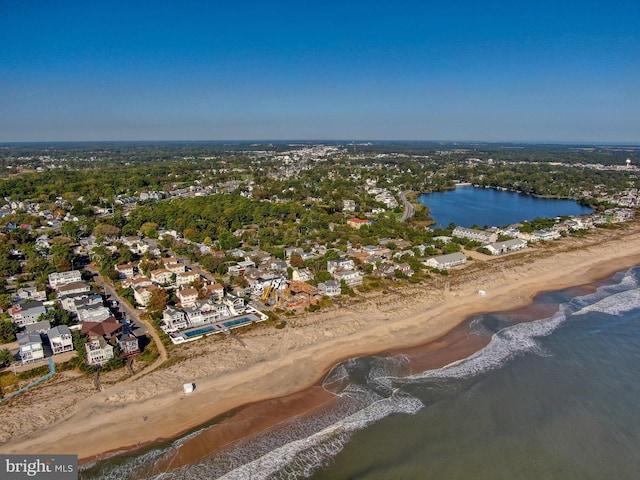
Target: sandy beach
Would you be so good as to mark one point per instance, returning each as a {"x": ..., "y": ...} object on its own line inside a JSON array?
[{"x": 65, "y": 415}]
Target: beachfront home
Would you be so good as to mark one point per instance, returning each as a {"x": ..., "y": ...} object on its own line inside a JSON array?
[
  {"x": 30, "y": 347},
  {"x": 351, "y": 277},
  {"x": 41, "y": 327},
  {"x": 330, "y": 288},
  {"x": 476, "y": 235},
  {"x": 545, "y": 235},
  {"x": 507, "y": 246},
  {"x": 98, "y": 350},
  {"x": 60, "y": 339},
  {"x": 128, "y": 344},
  {"x": 173, "y": 320},
  {"x": 446, "y": 261}
]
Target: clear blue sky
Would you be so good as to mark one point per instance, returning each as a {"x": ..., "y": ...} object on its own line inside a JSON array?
[{"x": 557, "y": 71}]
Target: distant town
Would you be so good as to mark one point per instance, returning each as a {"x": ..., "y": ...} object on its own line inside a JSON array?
[{"x": 113, "y": 256}]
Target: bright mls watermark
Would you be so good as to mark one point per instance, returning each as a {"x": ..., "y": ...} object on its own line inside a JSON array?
[{"x": 49, "y": 467}]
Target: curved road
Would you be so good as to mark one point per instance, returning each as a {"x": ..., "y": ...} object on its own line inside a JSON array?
[
  {"x": 132, "y": 314},
  {"x": 408, "y": 208}
]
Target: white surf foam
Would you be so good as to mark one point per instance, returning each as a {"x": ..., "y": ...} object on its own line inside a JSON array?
[
  {"x": 504, "y": 345},
  {"x": 614, "y": 304}
]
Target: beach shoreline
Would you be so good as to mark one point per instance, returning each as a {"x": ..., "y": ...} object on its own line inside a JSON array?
[{"x": 281, "y": 363}]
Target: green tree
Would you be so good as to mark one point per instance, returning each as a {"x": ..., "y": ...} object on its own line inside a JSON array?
[
  {"x": 8, "y": 331},
  {"x": 6, "y": 357}
]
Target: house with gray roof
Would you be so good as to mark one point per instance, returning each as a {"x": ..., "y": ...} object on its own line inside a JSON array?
[
  {"x": 60, "y": 339},
  {"x": 444, "y": 262}
]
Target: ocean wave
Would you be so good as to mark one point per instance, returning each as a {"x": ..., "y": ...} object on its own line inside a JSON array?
[
  {"x": 300, "y": 458},
  {"x": 614, "y": 304},
  {"x": 505, "y": 345}
]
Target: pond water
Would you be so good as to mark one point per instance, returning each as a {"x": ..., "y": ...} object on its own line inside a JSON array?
[{"x": 467, "y": 206}]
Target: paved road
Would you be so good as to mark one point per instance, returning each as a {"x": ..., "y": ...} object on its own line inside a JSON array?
[
  {"x": 408, "y": 208},
  {"x": 144, "y": 327}
]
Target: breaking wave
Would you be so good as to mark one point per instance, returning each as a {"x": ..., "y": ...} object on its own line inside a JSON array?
[{"x": 369, "y": 389}]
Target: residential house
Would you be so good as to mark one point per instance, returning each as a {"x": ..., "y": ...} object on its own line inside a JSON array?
[
  {"x": 240, "y": 268},
  {"x": 237, "y": 305},
  {"x": 444, "y": 262},
  {"x": 187, "y": 296},
  {"x": 173, "y": 320},
  {"x": 175, "y": 267},
  {"x": 476, "y": 235},
  {"x": 73, "y": 288},
  {"x": 507, "y": 246},
  {"x": 162, "y": 276},
  {"x": 128, "y": 344},
  {"x": 93, "y": 313},
  {"x": 30, "y": 293},
  {"x": 340, "y": 264},
  {"x": 26, "y": 313},
  {"x": 186, "y": 278},
  {"x": 330, "y": 288},
  {"x": 215, "y": 291},
  {"x": 107, "y": 328},
  {"x": 142, "y": 295},
  {"x": 59, "y": 279},
  {"x": 348, "y": 206},
  {"x": 357, "y": 223},
  {"x": 545, "y": 235},
  {"x": 406, "y": 269},
  {"x": 98, "y": 350},
  {"x": 40, "y": 327},
  {"x": 60, "y": 339},
  {"x": 30, "y": 347},
  {"x": 351, "y": 277},
  {"x": 301, "y": 274},
  {"x": 127, "y": 270}
]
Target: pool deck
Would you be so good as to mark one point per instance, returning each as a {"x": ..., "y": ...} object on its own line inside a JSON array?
[{"x": 220, "y": 326}]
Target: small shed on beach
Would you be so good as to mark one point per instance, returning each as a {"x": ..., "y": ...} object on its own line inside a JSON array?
[{"x": 188, "y": 387}]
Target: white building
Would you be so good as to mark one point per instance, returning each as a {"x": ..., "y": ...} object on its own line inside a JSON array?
[
  {"x": 30, "y": 347},
  {"x": 476, "y": 235},
  {"x": 60, "y": 339},
  {"x": 507, "y": 246},
  {"x": 446, "y": 261},
  {"x": 59, "y": 279}
]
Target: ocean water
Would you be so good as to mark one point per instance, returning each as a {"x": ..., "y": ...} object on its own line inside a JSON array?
[{"x": 555, "y": 397}]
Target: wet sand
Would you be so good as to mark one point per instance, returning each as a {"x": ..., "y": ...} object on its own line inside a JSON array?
[{"x": 280, "y": 363}]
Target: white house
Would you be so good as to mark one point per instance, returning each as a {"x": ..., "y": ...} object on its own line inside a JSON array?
[
  {"x": 162, "y": 276},
  {"x": 26, "y": 313},
  {"x": 545, "y": 235},
  {"x": 330, "y": 288},
  {"x": 173, "y": 320},
  {"x": 62, "y": 278},
  {"x": 187, "y": 296},
  {"x": 351, "y": 277},
  {"x": 340, "y": 264},
  {"x": 142, "y": 295},
  {"x": 446, "y": 261},
  {"x": 99, "y": 351},
  {"x": 73, "y": 288},
  {"x": 30, "y": 347},
  {"x": 60, "y": 339},
  {"x": 477, "y": 235},
  {"x": 185, "y": 278},
  {"x": 507, "y": 246}
]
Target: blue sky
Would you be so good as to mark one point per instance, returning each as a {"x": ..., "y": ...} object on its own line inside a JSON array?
[{"x": 558, "y": 71}]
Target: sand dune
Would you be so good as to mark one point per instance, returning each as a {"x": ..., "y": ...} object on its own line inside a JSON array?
[{"x": 65, "y": 416}]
